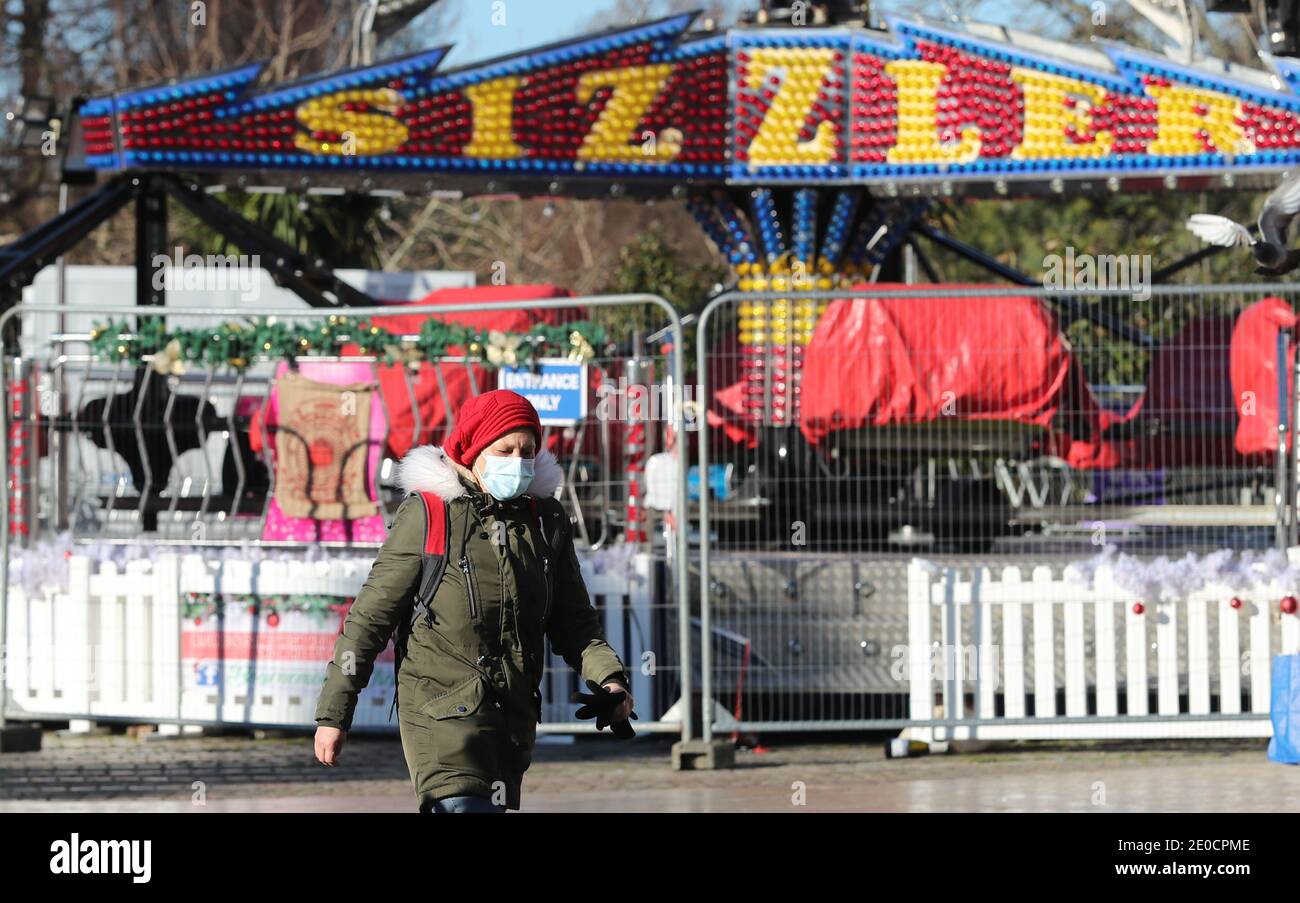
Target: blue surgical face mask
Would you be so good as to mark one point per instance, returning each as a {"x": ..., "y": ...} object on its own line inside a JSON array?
[{"x": 506, "y": 477}]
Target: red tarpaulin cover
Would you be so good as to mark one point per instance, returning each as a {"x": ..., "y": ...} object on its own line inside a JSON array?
[
  {"x": 1254, "y": 373},
  {"x": 1186, "y": 416},
  {"x": 1189, "y": 382},
  {"x": 890, "y": 361},
  {"x": 1213, "y": 389}
]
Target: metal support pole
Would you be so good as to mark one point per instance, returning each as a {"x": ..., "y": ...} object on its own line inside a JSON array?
[
  {"x": 1293, "y": 461},
  {"x": 1280, "y": 468},
  {"x": 58, "y": 385},
  {"x": 706, "y": 650},
  {"x": 150, "y": 240}
]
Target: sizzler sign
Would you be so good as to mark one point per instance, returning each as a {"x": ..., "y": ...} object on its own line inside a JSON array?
[{"x": 801, "y": 105}]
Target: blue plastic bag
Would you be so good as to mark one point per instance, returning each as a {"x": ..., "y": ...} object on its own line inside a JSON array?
[
  {"x": 719, "y": 482},
  {"x": 1285, "y": 710}
]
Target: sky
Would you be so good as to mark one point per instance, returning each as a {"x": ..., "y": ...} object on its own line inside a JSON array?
[
  {"x": 528, "y": 23},
  {"x": 468, "y": 24}
]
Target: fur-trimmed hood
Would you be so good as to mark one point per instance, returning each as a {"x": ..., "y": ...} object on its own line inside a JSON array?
[{"x": 428, "y": 468}]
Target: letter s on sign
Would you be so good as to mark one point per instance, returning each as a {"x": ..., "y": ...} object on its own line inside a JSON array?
[{"x": 377, "y": 130}]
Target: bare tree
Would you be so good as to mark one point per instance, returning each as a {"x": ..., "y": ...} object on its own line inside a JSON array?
[
  {"x": 629, "y": 12},
  {"x": 80, "y": 48},
  {"x": 1224, "y": 37}
]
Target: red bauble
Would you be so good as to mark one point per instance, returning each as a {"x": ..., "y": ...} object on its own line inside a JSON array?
[
  {"x": 1289, "y": 605},
  {"x": 1235, "y": 602},
  {"x": 1138, "y": 608},
  {"x": 273, "y": 619}
]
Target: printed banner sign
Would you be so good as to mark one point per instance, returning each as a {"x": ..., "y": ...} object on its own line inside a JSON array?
[{"x": 269, "y": 669}]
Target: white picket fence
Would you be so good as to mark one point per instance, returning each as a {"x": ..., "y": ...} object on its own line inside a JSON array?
[
  {"x": 115, "y": 644},
  {"x": 981, "y": 647}
]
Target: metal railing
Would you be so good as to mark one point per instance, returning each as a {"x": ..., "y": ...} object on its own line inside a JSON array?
[
  {"x": 66, "y": 488},
  {"x": 811, "y": 509},
  {"x": 808, "y": 531}
]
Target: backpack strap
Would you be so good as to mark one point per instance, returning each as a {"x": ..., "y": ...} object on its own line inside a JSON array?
[
  {"x": 434, "y": 553},
  {"x": 436, "y": 520}
]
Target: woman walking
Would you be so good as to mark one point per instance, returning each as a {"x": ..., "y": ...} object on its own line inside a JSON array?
[{"x": 470, "y": 648}]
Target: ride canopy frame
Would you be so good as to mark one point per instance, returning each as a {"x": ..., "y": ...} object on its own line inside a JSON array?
[{"x": 657, "y": 108}]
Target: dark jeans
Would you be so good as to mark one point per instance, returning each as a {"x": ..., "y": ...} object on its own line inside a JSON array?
[{"x": 462, "y": 804}]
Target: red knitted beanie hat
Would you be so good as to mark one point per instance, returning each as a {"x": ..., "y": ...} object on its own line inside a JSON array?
[{"x": 486, "y": 418}]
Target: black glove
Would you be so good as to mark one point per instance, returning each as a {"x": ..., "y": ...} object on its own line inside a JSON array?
[{"x": 600, "y": 704}]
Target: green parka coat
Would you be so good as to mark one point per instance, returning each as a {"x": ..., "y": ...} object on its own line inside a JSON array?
[{"x": 467, "y": 676}]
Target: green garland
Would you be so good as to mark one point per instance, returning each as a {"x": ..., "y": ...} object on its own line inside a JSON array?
[
  {"x": 197, "y": 606},
  {"x": 237, "y": 344}
]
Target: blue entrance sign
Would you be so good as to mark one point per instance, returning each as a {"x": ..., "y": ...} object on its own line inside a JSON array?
[{"x": 556, "y": 387}]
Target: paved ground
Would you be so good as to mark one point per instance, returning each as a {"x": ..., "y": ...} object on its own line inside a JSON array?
[{"x": 239, "y": 773}]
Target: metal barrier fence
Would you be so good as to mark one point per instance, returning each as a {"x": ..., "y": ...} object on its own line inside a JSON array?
[
  {"x": 1152, "y": 428},
  {"x": 114, "y": 461},
  {"x": 980, "y": 427}
]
